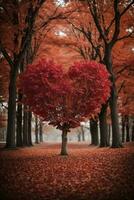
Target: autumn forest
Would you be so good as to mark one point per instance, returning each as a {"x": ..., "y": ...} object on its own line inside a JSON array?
[{"x": 66, "y": 99}]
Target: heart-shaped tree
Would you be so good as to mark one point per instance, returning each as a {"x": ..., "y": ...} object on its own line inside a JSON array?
[{"x": 65, "y": 99}]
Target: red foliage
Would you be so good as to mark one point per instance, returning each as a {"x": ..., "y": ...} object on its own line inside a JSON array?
[
  {"x": 65, "y": 99},
  {"x": 88, "y": 173},
  {"x": 92, "y": 85}
]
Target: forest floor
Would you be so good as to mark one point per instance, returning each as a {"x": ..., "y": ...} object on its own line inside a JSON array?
[{"x": 87, "y": 173}]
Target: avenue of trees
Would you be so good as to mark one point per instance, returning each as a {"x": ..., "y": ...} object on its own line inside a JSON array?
[{"x": 99, "y": 30}]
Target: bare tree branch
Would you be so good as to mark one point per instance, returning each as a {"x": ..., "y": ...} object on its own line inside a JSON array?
[
  {"x": 6, "y": 55},
  {"x": 127, "y": 8},
  {"x": 117, "y": 22},
  {"x": 123, "y": 69},
  {"x": 95, "y": 16},
  {"x": 126, "y": 36},
  {"x": 121, "y": 86}
]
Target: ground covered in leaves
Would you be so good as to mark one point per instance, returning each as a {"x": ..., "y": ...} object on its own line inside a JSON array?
[{"x": 88, "y": 173}]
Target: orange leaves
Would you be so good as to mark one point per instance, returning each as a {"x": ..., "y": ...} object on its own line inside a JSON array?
[{"x": 88, "y": 173}]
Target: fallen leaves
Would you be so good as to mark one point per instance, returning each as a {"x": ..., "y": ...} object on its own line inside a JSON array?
[{"x": 87, "y": 173}]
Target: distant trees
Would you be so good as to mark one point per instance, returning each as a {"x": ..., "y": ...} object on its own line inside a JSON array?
[{"x": 65, "y": 99}]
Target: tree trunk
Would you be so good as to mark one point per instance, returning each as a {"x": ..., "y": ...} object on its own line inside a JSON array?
[
  {"x": 19, "y": 142},
  {"x": 94, "y": 132},
  {"x": 82, "y": 133},
  {"x": 123, "y": 129},
  {"x": 79, "y": 136},
  {"x": 36, "y": 131},
  {"x": 40, "y": 132},
  {"x": 25, "y": 126},
  {"x": 103, "y": 126},
  {"x": 64, "y": 143},
  {"x": 127, "y": 129},
  {"x": 10, "y": 138},
  {"x": 133, "y": 131},
  {"x": 109, "y": 135},
  {"x": 29, "y": 129},
  {"x": 116, "y": 142}
]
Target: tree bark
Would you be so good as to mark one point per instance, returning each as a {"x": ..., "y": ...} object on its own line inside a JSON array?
[
  {"x": 133, "y": 131},
  {"x": 127, "y": 129},
  {"x": 82, "y": 133},
  {"x": 116, "y": 142},
  {"x": 19, "y": 142},
  {"x": 64, "y": 143},
  {"x": 109, "y": 135},
  {"x": 94, "y": 132},
  {"x": 79, "y": 136},
  {"x": 36, "y": 131},
  {"x": 40, "y": 132},
  {"x": 10, "y": 139},
  {"x": 29, "y": 129},
  {"x": 25, "y": 126},
  {"x": 123, "y": 129},
  {"x": 103, "y": 126}
]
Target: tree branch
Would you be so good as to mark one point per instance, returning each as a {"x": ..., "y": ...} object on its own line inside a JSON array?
[
  {"x": 123, "y": 69},
  {"x": 117, "y": 22},
  {"x": 125, "y": 36},
  {"x": 126, "y": 9},
  {"x": 122, "y": 85},
  {"x": 95, "y": 16},
  {"x": 5, "y": 54}
]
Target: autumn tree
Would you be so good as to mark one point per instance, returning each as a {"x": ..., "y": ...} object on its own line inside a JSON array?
[
  {"x": 111, "y": 20},
  {"x": 110, "y": 32},
  {"x": 22, "y": 29},
  {"x": 22, "y": 19},
  {"x": 126, "y": 98},
  {"x": 65, "y": 99}
]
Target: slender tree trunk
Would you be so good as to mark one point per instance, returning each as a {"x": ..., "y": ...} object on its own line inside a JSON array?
[
  {"x": 116, "y": 141},
  {"x": 103, "y": 127},
  {"x": 64, "y": 142},
  {"x": 79, "y": 136},
  {"x": 123, "y": 129},
  {"x": 19, "y": 142},
  {"x": 127, "y": 129},
  {"x": 40, "y": 132},
  {"x": 29, "y": 129},
  {"x": 82, "y": 133},
  {"x": 25, "y": 126},
  {"x": 133, "y": 131},
  {"x": 94, "y": 132},
  {"x": 109, "y": 135},
  {"x": 10, "y": 139},
  {"x": 36, "y": 131}
]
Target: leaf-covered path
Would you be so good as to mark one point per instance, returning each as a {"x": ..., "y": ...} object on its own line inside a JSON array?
[{"x": 88, "y": 173}]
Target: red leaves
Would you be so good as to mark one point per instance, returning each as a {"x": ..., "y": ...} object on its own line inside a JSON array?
[
  {"x": 65, "y": 97},
  {"x": 92, "y": 78},
  {"x": 88, "y": 173}
]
